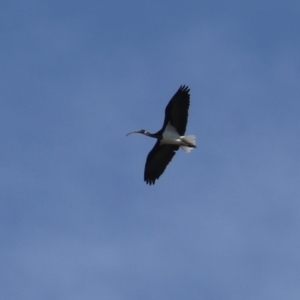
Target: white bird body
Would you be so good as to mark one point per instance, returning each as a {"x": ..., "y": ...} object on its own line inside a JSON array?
[{"x": 170, "y": 136}]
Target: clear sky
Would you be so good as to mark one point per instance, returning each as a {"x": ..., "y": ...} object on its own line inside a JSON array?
[{"x": 76, "y": 219}]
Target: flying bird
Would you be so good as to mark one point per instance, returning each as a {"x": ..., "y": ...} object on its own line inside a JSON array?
[{"x": 170, "y": 137}]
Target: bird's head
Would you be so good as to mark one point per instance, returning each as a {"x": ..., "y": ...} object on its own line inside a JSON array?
[{"x": 142, "y": 131}]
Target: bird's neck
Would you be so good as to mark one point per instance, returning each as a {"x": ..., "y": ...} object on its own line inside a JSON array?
[{"x": 152, "y": 135}]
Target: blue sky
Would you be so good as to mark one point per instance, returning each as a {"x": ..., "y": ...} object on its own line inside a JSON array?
[{"x": 78, "y": 222}]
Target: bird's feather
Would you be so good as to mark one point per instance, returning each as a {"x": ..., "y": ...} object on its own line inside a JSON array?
[
  {"x": 157, "y": 161},
  {"x": 177, "y": 110}
]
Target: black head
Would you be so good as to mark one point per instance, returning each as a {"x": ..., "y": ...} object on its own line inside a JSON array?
[{"x": 142, "y": 131}]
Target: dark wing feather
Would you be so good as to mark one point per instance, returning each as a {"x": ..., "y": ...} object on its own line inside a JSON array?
[
  {"x": 177, "y": 110},
  {"x": 157, "y": 161}
]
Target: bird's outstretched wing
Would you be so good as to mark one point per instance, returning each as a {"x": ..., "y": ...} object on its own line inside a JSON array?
[
  {"x": 177, "y": 109},
  {"x": 157, "y": 161}
]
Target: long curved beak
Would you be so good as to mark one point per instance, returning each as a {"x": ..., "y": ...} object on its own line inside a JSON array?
[{"x": 136, "y": 131}]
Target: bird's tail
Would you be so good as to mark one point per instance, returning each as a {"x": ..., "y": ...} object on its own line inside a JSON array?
[{"x": 190, "y": 141}]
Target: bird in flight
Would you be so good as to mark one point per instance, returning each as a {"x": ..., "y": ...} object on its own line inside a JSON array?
[{"x": 170, "y": 137}]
